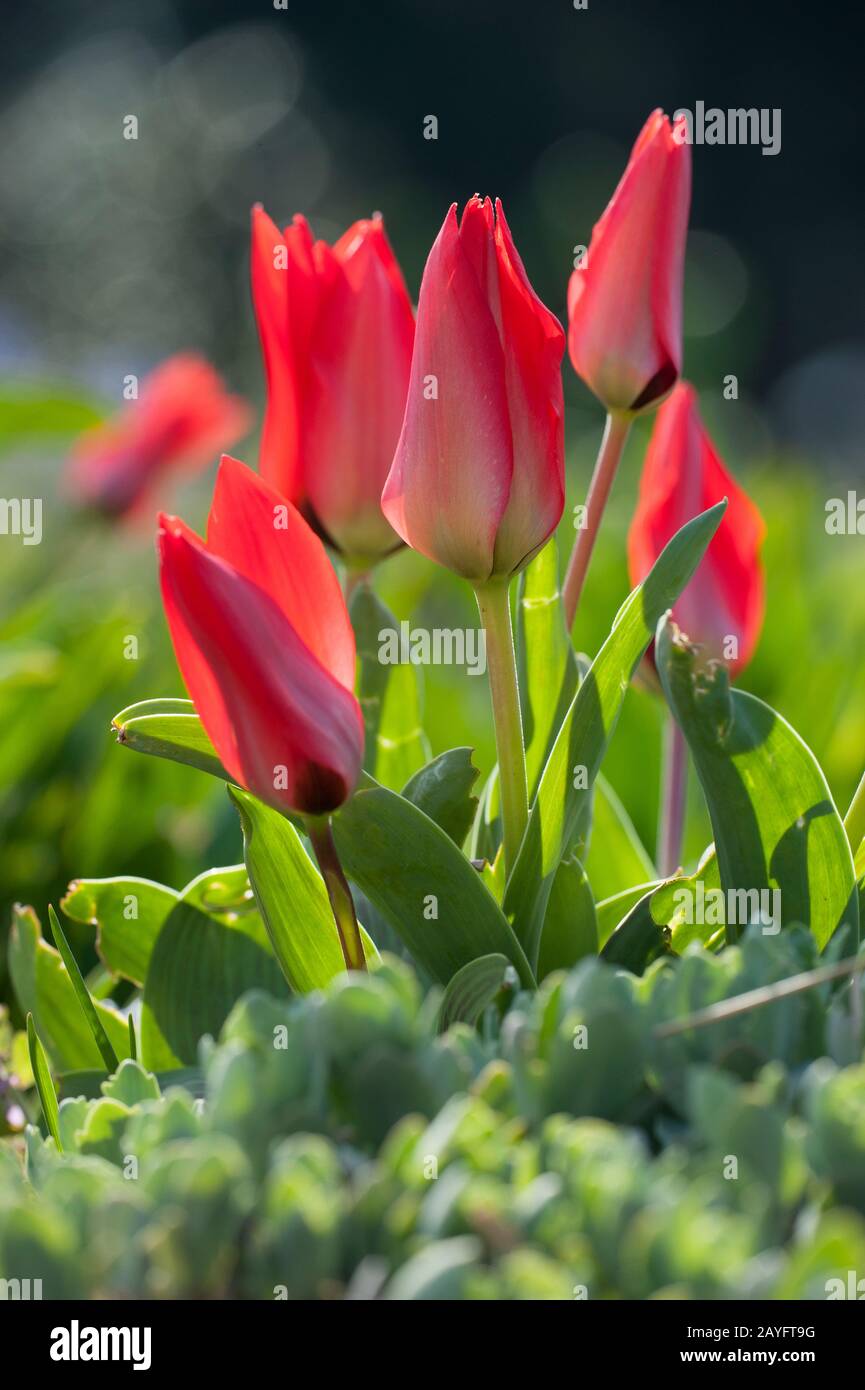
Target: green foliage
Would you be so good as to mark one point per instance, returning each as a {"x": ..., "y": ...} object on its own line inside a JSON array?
[{"x": 346, "y": 1148}]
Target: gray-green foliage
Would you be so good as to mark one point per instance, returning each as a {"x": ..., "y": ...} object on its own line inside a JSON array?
[{"x": 344, "y": 1147}]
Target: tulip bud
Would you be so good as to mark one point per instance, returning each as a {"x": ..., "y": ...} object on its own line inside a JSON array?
[
  {"x": 336, "y": 329},
  {"x": 722, "y": 607},
  {"x": 265, "y": 646},
  {"x": 181, "y": 418},
  {"x": 477, "y": 482},
  {"x": 625, "y": 299}
]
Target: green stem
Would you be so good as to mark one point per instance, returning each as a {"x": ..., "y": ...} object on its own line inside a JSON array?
[
  {"x": 612, "y": 445},
  {"x": 673, "y": 792},
  {"x": 495, "y": 610},
  {"x": 854, "y": 821},
  {"x": 321, "y": 838}
]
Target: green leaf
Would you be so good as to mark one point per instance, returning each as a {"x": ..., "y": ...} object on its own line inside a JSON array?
[
  {"x": 547, "y": 663},
  {"x": 44, "y": 1084},
  {"x": 616, "y": 857},
  {"x": 88, "y": 1008},
  {"x": 775, "y": 823},
  {"x": 127, "y": 913},
  {"x": 168, "y": 728},
  {"x": 44, "y": 988},
  {"x": 200, "y": 965},
  {"x": 442, "y": 790},
  {"x": 570, "y": 925},
  {"x": 613, "y": 910},
  {"x": 131, "y": 1084},
  {"x": 291, "y": 897},
  {"x": 473, "y": 988},
  {"x": 420, "y": 882},
  {"x": 583, "y": 737},
  {"x": 638, "y": 940},
  {"x": 389, "y": 694}
]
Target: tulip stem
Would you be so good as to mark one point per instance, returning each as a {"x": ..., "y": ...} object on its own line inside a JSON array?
[
  {"x": 854, "y": 821},
  {"x": 495, "y": 610},
  {"x": 321, "y": 838},
  {"x": 612, "y": 445},
  {"x": 674, "y": 786}
]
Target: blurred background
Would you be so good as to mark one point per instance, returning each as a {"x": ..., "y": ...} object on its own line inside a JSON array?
[{"x": 117, "y": 253}]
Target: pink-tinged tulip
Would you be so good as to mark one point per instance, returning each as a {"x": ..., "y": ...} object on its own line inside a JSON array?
[
  {"x": 182, "y": 419},
  {"x": 336, "y": 329},
  {"x": 682, "y": 476},
  {"x": 265, "y": 646},
  {"x": 477, "y": 482},
  {"x": 625, "y": 299}
]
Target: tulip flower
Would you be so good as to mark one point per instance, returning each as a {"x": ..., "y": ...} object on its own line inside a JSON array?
[
  {"x": 625, "y": 309},
  {"x": 182, "y": 418},
  {"x": 336, "y": 329},
  {"x": 266, "y": 649},
  {"x": 722, "y": 607},
  {"x": 477, "y": 482}
]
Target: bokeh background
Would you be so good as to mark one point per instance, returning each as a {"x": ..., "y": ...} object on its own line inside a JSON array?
[{"x": 116, "y": 253}]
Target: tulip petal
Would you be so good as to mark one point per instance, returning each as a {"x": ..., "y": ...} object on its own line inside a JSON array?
[
  {"x": 284, "y": 295},
  {"x": 534, "y": 344},
  {"x": 451, "y": 476},
  {"x": 258, "y": 533},
  {"x": 358, "y": 380},
  {"x": 281, "y": 724}
]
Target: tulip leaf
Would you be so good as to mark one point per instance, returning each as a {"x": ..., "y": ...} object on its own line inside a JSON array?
[
  {"x": 547, "y": 662},
  {"x": 639, "y": 938},
  {"x": 127, "y": 914},
  {"x": 44, "y": 1085},
  {"x": 291, "y": 897},
  {"x": 570, "y": 924},
  {"x": 776, "y": 826},
  {"x": 472, "y": 989},
  {"x": 100, "y": 1037},
  {"x": 168, "y": 728},
  {"x": 613, "y": 910},
  {"x": 389, "y": 692},
  {"x": 201, "y": 963},
  {"x": 442, "y": 789},
  {"x": 413, "y": 873},
  {"x": 616, "y": 857},
  {"x": 44, "y": 988},
  {"x": 573, "y": 764}
]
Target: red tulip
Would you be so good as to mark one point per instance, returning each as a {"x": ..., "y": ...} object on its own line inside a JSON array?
[
  {"x": 336, "y": 329},
  {"x": 477, "y": 482},
  {"x": 682, "y": 476},
  {"x": 265, "y": 645},
  {"x": 182, "y": 418},
  {"x": 625, "y": 300}
]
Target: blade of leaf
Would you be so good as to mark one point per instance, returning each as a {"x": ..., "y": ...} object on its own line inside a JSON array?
[
  {"x": 772, "y": 812},
  {"x": 389, "y": 695},
  {"x": 616, "y": 857},
  {"x": 44, "y": 1084},
  {"x": 168, "y": 728},
  {"x": 570, "y": 925},
  {"x": 473, "y": 988},
  {"x": 291, "y": 897},
  {"x": 94, "y": 1023},
  {"x": 442, "y": 790},
  {"x": 127, "y": 913},
  {"x": 582, "y": 739},
  {"x": 547, "y": 662},
  {"x": 414, "y": 874}
]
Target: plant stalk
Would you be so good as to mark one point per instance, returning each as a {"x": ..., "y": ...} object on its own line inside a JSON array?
[
  {"x": 495, "y": 611},
  {"x": 613, "y": 443},
  {"x": 673, "y": 795},
  {"x": 321, "y": 838}
]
